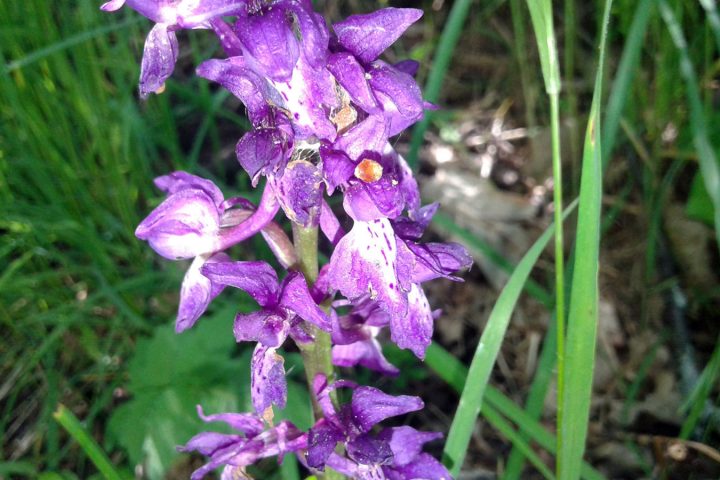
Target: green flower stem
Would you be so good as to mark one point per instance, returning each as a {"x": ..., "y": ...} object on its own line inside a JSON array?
[{"x": 317, "y": 355}]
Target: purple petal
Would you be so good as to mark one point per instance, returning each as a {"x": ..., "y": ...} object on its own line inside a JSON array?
[
  {"x": 366, "y": 353},
  {"x": 375, "y": 200},
  {"x": 112, "y": 5},
  {"x": 322, "y": 439},
  {"x": 269, "y": 44},
  {"x": 408, "y": 66},
  {"x": 329, "y": 224},
  {"x": 400, "y": 87},
  {"x": 368, "y": 136},
  {"x": 314, "y": 33},
  {"x": 159, "y": 57},
  {"x": 296, "y": 297},
  {"x": 249, "y": 424},
  {"x": 299, "y": 191},
  {"x": 408, "y": 184},
  {"x": 367, "y": 36},
  {"x": 228, "y": 39},
  {"x": 423, "y": 466},
  {"x": 256, "y": 278},
  {"x": 364, "y": 263},
  {"x": 242, "y": 82},
  {"x": 414, "y": 227},
  {"x": 407, "y": 443},
  {"x": 351, "y": 76},
  {"x": 266, "y": 327},
  {"x": 258, "y": 220},
  {"x": 179, "y": 180},
  {"x": 185, "y": 225},
  {"x": 337, "y": 168},
  {"x": 200, "y": 14},
  {"x": 207, "y": 443},
  {"x": 435, "y": 260},
  {"x": 369, "y": 450},
  {"x": 196, "y": 292},
  {"x": 262, "y": 151},
  {"x": 414, "y": 330},
  {"x": 267, "y": 381},
  {"x": 371, "y": 406},
  {"x": 307, "y": 95}
]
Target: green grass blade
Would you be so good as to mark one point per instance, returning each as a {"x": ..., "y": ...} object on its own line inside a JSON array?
[
  {"x": 706, "y": 155},
  {"x": 541, "y": 16},
  {"x": 486, "y": 353},
  {"x": 713, "y": 18},
  {"x": 583, "y": 305},
  {"x": 81, "y": 37},
  {"x": 441, "y": 62},
  {"x": 71, "y": 424},
  {"x": 509, "y": 432},
  {"x": 624, "y": 77},
  {"x": 698, "y": 399},
  {"x": 454, "y": 373}
]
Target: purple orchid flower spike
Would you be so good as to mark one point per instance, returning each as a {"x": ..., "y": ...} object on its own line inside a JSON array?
[
  {"x": 236, "y": 451},
  {"x": 284, "y": 306},
  {"x": 161, "y": 46},
  {"x": 390, "y": 454}
]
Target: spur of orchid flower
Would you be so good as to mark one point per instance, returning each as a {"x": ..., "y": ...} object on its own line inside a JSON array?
[{"x": 323, "y": 107}]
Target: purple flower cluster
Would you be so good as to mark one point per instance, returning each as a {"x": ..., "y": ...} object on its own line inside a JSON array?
[{"x": 323, "y": 107}]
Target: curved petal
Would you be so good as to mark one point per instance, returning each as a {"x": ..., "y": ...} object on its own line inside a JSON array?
[
  {"x": 371, "y": 406},
  {"x": 196, "y": 292},
  {"x": 322, "y": 439},
  {"x": 414, "y": 330},
  {"x": 351, "y": 76},
  {"x": 299, "y": 191},
  {"x": 250, "y": 425},
  {"x": 407, "y": 443},
  {"x": 256, "y": 278},
  {"x": 367, "y": 353},
  {"x": 159, "y": 57},
  {"x": 423, "y": 466},
  {"x": 367, "y": 36},
  {"x": 296, "y": 297},
  {"x": 179, "y": 180},
  {"x": 241, "y": 81},
  {"x": 185, "y": 225},
  {"x": 265, "y": 326},
  {"x": 263, "y": 151},
  {"x": 269, "y": 44},
  {"x": 368, "y": 136},
  {"x": 267, "y": 379},
  {"x": 435, "y": 260},
  {"x": 364, "y": 263}
]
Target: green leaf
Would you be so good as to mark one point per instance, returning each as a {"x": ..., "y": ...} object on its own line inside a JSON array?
[
  {"x": 699, "y": 205},
  {"x": 583, "y": 306},
  {"x": 486, "y": 353},
  {"x": 169, "y": 375}
]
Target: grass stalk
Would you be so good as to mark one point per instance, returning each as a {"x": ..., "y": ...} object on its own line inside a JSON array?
[
  {"x": 486, "y": 353},
  {"x": 542, "y": 20},
  {"x": 583, "y": 306},
  {"x": 71, "y": 424}
]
